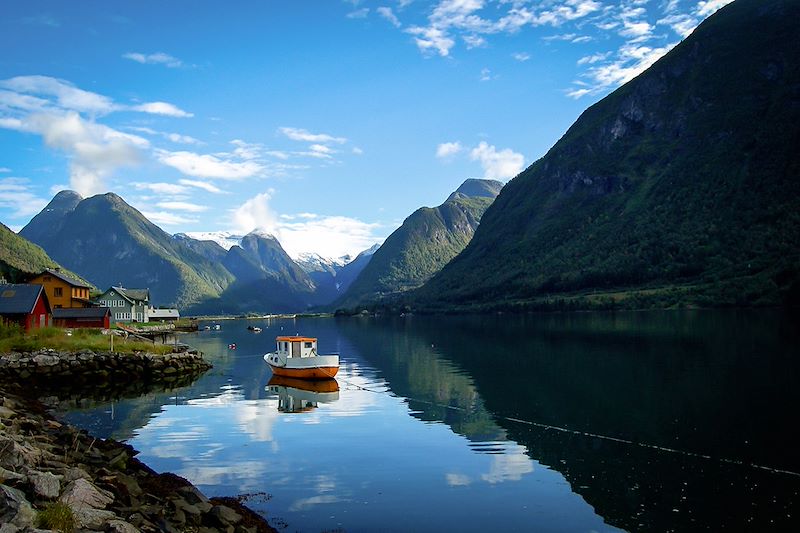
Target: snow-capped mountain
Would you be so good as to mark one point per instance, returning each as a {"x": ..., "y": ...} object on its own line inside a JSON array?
[{"x": 226, "y": 239}]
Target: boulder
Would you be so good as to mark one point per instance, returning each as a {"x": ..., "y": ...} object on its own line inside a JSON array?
[
  {"x": 15, "y": 508},
  {"x": 45, "y": 484},
  {"x": 83, "y": 493}
]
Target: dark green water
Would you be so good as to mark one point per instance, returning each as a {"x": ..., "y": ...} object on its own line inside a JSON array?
[{"x": 657, "y": 421}]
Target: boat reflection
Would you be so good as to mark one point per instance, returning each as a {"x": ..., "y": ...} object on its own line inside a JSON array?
[{"x": 300, "y": 395}]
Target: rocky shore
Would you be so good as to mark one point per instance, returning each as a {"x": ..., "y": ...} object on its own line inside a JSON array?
[{"x": 56, "y": 477}]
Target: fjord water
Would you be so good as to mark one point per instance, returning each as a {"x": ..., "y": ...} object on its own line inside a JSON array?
[{"x": 655, "y": 421}]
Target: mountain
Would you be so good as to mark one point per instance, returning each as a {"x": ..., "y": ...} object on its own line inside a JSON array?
[
  {"x": 43, "y": 228},
  {"x": 349, "y": 272},
  {"x": 108, "y": 242},
  {"x": 422, "y": 245},
  {"x": 267, "y": 280},
  {"x": 20, "y": 258},
  {"x": 323, "y": 272},
  {"x": 682, "y": 187},
  {"x": 209, "y": 249},
  {"x": 226, "y": 239}
]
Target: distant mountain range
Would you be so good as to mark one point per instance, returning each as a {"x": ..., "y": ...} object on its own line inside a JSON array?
[
  {"x": 682, "y": 187},
  {"x": 426, "y": 241},
  {"x": 108, "y": 242}
]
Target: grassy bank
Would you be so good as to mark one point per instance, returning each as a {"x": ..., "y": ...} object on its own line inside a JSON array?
[{"x": 15, "y": 339}]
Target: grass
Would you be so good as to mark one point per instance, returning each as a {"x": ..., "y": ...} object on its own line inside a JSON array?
[
  {"x": 58, "y": 517},
  {"x": 14, "y": 339}
]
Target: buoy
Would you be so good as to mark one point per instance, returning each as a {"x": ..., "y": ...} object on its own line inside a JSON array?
[{"x": 232, "y": 346}]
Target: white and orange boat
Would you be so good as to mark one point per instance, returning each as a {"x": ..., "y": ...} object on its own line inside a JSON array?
[{"x": 296, "y": 357}]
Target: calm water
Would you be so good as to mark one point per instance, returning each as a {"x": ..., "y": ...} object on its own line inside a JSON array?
[{"x": 661, "y": 421}]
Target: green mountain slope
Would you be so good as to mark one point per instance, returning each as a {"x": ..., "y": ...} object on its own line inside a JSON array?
[
  {"x": 108, "y": 242},
  {"x": 680, "y": 187},
  {"x": 19, "y": 258},
  {"x": 426, "y": 241}
]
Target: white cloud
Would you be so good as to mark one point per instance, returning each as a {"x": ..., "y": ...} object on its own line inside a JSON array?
[
  {"x": 449, "y": 149},
  {"x": 709, "y": 7},
  {"x": 208, "y": 187},
  {"x": 245, "y": 150},
  {"x": 509, "y": 466},
  {"x": 209, "y": 166},
  {"x": 162, "y": 108},
  {"x": 158, "y": 58},
  {"x": 631, "y": 60},
  {"x": 161, "y": 188},
  {"x": 67, "y": 95},
  {"x": 388, "y": 14},
  {"x": 431, "y": 38},
  {"x": 594, "y": 58},
  {"x": 357, "y": 150},
  {"x": 486, "y": 75},
  {"x": 95, "y": 150},
  {"x": 4, "y": 170},
  {"x": 255, "y": 213},
  {"x": 521, "y": 56},
  {"x": 328, "y": 236},
  {"x": 15, "y": 195},
  {"x": 457, "y": 480},
  {"x": 173, "y": 137},
  {"x": 299, "y": 134},
  {"x": 358, "y": 13},
  {"x": 182, "y": 206},
  {"x": 462, "y": 17},
  {"x": 503, "y": 164},
  {"x": 322, "y": 150},
  {"x": 682, "y": 24}
]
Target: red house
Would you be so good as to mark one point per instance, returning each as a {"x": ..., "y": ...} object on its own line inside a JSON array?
[
  {"x": 76, "y": 317},
  {"x": 25, "y": 305}
]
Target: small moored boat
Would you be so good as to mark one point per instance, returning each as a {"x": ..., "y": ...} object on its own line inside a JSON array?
[{"x": 296, "y": 357}]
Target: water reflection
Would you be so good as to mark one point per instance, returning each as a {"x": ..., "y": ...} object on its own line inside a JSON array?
[
  {"x": 301, "y": 396},
  {"x": 568, "y": 422}
]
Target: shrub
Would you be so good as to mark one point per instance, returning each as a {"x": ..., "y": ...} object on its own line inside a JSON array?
[{"x": 57, "y": 516}]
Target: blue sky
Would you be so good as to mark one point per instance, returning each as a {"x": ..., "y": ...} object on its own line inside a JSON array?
[{"x": 323, "y": 122}]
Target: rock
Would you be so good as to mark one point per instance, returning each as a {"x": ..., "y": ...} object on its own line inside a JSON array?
[
  {"x": 45, "y": 484},
  {"x": 15, "y": 508},
  {"x": 8, "y": 528},
  {"x": 46, "y": 359},
  {"x": 82, "y": 493},
  {"x": 8, "y": 475},
  {"x": 11, "y": 457},
  {"x": 6, "y": 413},
  {"x": 75, "y": 473},
  {"x": 225, "y": 516},
  {"x": 89, "y": 518},
  {"x": 120, "y": 526}
]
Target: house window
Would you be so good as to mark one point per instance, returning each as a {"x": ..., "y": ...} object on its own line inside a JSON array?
[{"x": 58, "y": 292}]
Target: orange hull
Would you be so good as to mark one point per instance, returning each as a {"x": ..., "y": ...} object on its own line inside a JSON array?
[
  {"x": 320, "y": 372},
  {"x": 316, "y": 385}
]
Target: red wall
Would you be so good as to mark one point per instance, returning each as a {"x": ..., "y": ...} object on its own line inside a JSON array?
[{"x": 33, "y": 320}]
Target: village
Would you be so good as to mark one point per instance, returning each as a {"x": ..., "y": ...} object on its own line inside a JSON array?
[{"x": 52, "y": 298}]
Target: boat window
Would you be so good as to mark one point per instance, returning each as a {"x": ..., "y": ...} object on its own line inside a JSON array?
[{"x": 309, "y": 345}]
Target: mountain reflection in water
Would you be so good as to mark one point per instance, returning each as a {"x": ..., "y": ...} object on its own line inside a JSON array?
[{"x": 640, "y": 421}]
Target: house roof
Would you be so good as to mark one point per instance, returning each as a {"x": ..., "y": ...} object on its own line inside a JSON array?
[
  {"x": 164, "y": 313},
  {"x": 17, "y": 299},
  {"x": 139, "y": 295},
  {"x": 81, "y": 312},
  {"x": 63, "y": 277}
]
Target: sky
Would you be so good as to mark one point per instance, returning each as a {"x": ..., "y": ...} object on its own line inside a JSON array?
[{"x": 324, "y": 122}]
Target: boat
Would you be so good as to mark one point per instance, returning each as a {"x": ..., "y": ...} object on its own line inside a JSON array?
[
  {"x": 296, "y": 357},
  {"x": 302, "y": 395},
  {"x": 254, "y": 329}
]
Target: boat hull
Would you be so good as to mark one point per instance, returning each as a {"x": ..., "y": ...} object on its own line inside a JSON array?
[{"x": 319, "y": 367}]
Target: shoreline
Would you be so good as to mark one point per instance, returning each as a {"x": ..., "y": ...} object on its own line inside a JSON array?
[{"x": 48, "y": 465}]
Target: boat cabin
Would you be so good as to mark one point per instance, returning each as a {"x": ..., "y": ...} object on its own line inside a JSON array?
[{"x": 296, "y": 346}]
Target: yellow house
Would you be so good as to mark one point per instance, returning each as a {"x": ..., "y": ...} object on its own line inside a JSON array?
[{"x": 63, "y": 292}]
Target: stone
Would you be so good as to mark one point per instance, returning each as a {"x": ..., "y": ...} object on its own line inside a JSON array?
[
  {"x": 90, "y": 518},
  {"x": 83, "y": 493},
  {"x": 45, "y": 484},
  {"x": 11, "y": 456},
  {"x": 46, "y": 360},
  {"x": 5, "y": 412},
  {"x": 225, "y": 516},
  {"x": 120, "y": 526},
  {"x": 75, "y": 473},
  {"x": 15, "y": 508},
  {"x": 8, "y": 528},
  {"x": 9, "y": 475}
]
